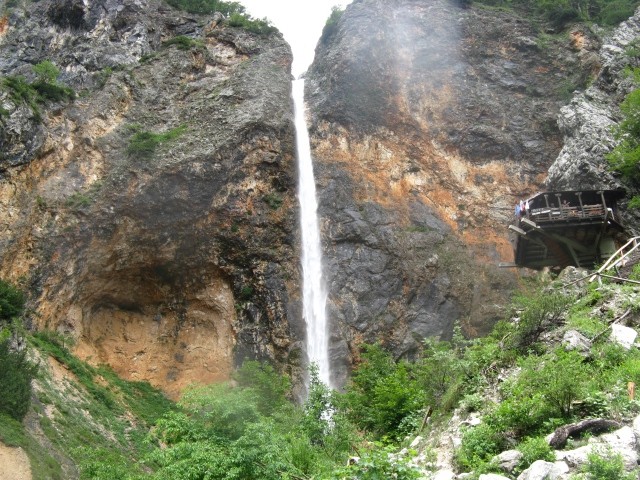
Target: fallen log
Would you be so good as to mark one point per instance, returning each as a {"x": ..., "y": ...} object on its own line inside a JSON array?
[{"x": 595, "y": 425}]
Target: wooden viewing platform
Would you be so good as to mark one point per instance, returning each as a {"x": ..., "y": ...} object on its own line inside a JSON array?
[{"x": 579, "y": 228}]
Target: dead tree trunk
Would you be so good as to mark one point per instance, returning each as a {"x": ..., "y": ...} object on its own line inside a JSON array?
[{"x": 595, "y": 425}]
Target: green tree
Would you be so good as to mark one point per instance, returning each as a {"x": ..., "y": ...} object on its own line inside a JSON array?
[
  {"x": 11, "y": 302},
  {"x": 383, "y": 393},
  {"x": 46, "y": 71},
  {"x": 270, "y": 387},
  {"x": 16, "y": 373},
  {"x": 331, "y": 25},
  {"x": 538, "y": 312},
  {"x": 625, "y": 158}
]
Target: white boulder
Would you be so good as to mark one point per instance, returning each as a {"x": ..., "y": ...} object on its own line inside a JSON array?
[
  {"x": 623, "y": 336},
  {"x": 541, "y": 470}
]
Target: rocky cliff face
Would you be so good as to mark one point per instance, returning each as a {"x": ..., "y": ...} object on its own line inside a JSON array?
[
  {"x": 588, "y": 122},
  {"x": 428, "y": 123},
  {"x": 169, "y": 260}
]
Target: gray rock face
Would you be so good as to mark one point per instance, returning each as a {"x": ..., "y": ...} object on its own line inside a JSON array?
[
  {"x": 541, "y": 470},
  {"x": 574, "y": 340},
  {"x": 508, "y": 460},
  {"x": 192, "y": 241},
  {"x": 587, "y": 122},
  {"x": 492, "y": 476},
  {"x": 426, "y": 128}
]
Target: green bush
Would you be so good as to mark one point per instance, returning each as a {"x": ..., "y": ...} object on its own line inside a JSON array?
[
  {"x": 270, "y": 387},
  {"x": 378, "y": 464},
  {"x": 539, "y": 312},
  {"x": 231, "y": 432},
  {"x": 16, "y": 373},
  {"x": 274, "y": 200},
  {"x": 261, "y": 27},
  {"x": 560, "y": 13},
  {"x": 11, "y": 302},
  {"x": 479, "y": 445},
  {"x": 47, "y": 84},
  {"x": 331, "y": 25},
  {"x": 606, "y": 466},
  {"x": 532, "y": 449},
  {"x": 625, "y": 157},
  {"x": 440, "y": 372},
  {"x": 46, "y": 87},
  {"x": 382, "y": 393},
  {"x": 559, "y": 377},
  {"x": 207, "y": 6},
  {"x": 22, "y": 91}
]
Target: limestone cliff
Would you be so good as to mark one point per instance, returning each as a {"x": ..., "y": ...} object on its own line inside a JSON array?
[
  {"x": 588, "y": 122},
  {"x": 170, "y": 260},
  {"x": 153, "y": 218},
  {"x": 428, "y": 123}
]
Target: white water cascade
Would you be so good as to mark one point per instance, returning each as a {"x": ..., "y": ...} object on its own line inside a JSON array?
[{"x": 314, "y": 292}]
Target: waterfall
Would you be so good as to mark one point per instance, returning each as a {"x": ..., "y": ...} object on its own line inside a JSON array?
[{"x": 314, "y": 293}]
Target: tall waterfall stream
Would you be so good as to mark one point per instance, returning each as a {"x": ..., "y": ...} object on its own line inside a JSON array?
[{"x": 314, "y": 290}]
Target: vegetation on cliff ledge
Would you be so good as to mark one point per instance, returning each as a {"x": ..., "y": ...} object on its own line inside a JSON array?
[
  {"x": 234, "y": 11},
  {"x": 562, "y": 12},
  {"x": 625, "y": 157}
]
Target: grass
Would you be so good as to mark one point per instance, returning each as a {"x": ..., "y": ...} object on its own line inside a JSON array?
[
  {"x": 96, "y": 416},
  {"x": 143, "y": 144},
  {"x": 183, "y": 42},
  {"x": 43, "y": 465},
  {"x": 45, "y": 88}
]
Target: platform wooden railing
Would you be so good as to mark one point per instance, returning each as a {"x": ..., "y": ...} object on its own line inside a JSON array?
[
  {"x": 617, "y": 258},
  {"x": 553, "y": 214}
]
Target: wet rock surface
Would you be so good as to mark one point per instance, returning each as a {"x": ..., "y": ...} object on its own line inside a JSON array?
[
  {"x": 428, "y": 123},
  {"x": 171, "y": 262}
]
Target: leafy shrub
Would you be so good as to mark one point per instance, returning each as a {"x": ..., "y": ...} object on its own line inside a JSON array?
[
  {"x": 606, "y": 466},
  {"x": 53, "y": 92},
  {"x": 224, "y": 411},
  {"x": 262, "y": 27},
  {"x": 270, "y": 387},
  {"x": 16, "y": 373},
  {"x": 539, "y": 312},
  {"x": 479, "y": 445},
  {"x": 22, "y": 91},
  {"x": 559, "y": 378},
  {"x": 377, "y": 464},
  {"x": 230, "y": 432},
  {"x": 532, "y": 449},
  {"x": 560, "y": 13},
  {"x": 46, "y": 87},
  {"x": 78, "y": 200},
  {"x": 616, "y": 11},
  {"x": 382, "y": 393},
  {"x": 625, "y": 157},
  {"x": 331, "y": 25},
  {"x": 47, "y": 84},
  {"x": 11, "y": 302},
  {"x": 440, "y": 372},
  {"x": 472, "y": 402}
]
